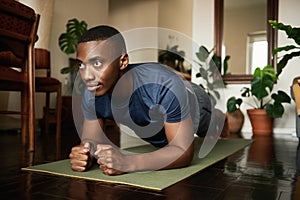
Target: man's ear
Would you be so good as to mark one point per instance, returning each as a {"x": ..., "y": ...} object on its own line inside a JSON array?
[{"x": 124, "y": 61}]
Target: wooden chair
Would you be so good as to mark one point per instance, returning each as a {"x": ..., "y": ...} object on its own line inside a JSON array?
[
  {"x": 18, "y": 34},
  {"x": 48, "y": 85}
]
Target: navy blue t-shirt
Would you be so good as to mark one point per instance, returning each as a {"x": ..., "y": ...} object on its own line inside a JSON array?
[{"x": 143, "y": 99}]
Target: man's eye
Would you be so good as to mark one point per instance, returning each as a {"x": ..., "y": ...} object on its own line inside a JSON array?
[
  {"x": 97, "y": 64},
  {"x": 80, "y": 65}
]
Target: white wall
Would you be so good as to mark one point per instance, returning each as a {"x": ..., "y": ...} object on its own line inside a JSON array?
[
  {"x": 130, "y": 17},
  {"x": 203, "y": 27}
]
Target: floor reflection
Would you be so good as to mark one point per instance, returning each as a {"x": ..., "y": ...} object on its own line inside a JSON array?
[{"x": 259, "y": 169}]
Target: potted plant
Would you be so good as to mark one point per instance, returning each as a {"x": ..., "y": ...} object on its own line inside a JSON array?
[
  {"x": 68, "y": 43},
  {"x": 267, "y": 103},
  {"x": 234, "y": 115}
]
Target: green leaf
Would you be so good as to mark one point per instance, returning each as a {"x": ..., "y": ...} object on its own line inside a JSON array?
[
  {"x": 275, "y": 110},
  {"x": 284, "y": 60},
  {"x": 281, "y": 97},
  {"x": 293, "y": 33},
  {"x": 202, "y": 54},
  {"x": 285, "y": 48},
  {"x": 216, "y": 62},
  {"x": 218, "y": 84},
  {"x": 198, "y": 75},
  {"x": 68, "y": 41},
  {"x": 233, "y": 104},
  {"x": 225, "y": 64},
  {"x": 245, "y": 92},
  {"x": 259, "y": 86},
  {"x": 203, "y": 73}
]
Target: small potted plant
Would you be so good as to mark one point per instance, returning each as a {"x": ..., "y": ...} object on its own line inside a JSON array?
[
  {"x": 267, "y": 103},
  {"x": 68, "y": 43},
  {"x": 234, "y": 115}
]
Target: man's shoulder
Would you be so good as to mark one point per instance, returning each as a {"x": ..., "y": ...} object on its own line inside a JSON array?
[
  {"x": 156, "y": 65},
  {"x": 152, "y": 69}
]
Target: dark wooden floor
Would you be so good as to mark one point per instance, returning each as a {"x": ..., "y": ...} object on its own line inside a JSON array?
[{"x": 265, "y": 170}]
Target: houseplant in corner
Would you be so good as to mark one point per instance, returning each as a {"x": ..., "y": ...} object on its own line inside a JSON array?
[
  {"x": 68, "y": 43},
  {"x": 266, "y": 104}
]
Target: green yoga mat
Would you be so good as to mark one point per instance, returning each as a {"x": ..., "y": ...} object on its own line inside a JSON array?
[{"x": 154, "y": 180}]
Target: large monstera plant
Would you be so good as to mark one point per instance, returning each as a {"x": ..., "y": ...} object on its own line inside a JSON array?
[{"x": 68, "y": 41}]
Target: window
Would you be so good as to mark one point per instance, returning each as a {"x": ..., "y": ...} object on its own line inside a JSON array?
[{"x": 257, "y": 51}]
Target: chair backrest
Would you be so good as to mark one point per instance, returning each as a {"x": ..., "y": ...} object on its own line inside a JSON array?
[
  {"x": 42, "y": 60},
  {"x": 18, "y": 33},
  {"x": 17, "y": 23}
]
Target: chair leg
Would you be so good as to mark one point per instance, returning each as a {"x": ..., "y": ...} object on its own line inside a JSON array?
[
  {"x": 24, "y": 117},
  {"x": 58, "y": 120},
  {"x": 31, "y": 95},
  {"x": 47, "y": 113}
]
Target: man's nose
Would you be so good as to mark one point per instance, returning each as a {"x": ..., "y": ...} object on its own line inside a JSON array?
[{"x": 88, "y": 74}]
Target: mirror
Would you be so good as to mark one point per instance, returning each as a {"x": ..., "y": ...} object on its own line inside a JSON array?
[{"x": 238, "y": 72}]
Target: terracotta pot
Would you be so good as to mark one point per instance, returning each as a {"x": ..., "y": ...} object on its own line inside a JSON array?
[
  {"x": 262, "y": 123},
  {"x": 235, "y": 121}
]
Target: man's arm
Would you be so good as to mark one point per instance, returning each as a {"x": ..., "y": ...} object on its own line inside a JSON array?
[{"x": 178, "y": 153}]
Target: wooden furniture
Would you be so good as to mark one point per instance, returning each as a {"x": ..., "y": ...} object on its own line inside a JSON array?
[
  {"x": 18, "y": 33},
  {"x": 48, "y": 85}
]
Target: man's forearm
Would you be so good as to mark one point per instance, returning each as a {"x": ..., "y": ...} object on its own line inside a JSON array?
[{"x": 168, "y": 157}]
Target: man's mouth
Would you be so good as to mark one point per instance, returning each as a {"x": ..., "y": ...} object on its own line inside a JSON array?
[{"x": 93, "y": 86}]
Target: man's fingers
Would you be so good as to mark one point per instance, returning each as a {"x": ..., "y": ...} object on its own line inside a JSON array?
[
  {"x": 103, "y": 150},
  {"x": 78, "y": 165},
  {"x": 79, "y": 149},
  {"x": 78, "y": 156},
  {"x": 86, "y": 147},
  {"x": 78, "y": 168}
]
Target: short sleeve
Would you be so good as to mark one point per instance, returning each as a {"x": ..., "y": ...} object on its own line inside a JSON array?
[
  {"x": 88, "y": 106},
  {"x": 175, "y": 101}
]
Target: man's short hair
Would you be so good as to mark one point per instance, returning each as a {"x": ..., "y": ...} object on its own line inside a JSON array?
[{"x": 104, "y": 32}]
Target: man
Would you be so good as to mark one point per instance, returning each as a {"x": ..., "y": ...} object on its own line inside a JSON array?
[{"x": 159, "y": 106}]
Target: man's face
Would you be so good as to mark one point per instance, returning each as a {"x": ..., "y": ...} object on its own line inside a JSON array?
[{"x": 99, "y": 66}]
